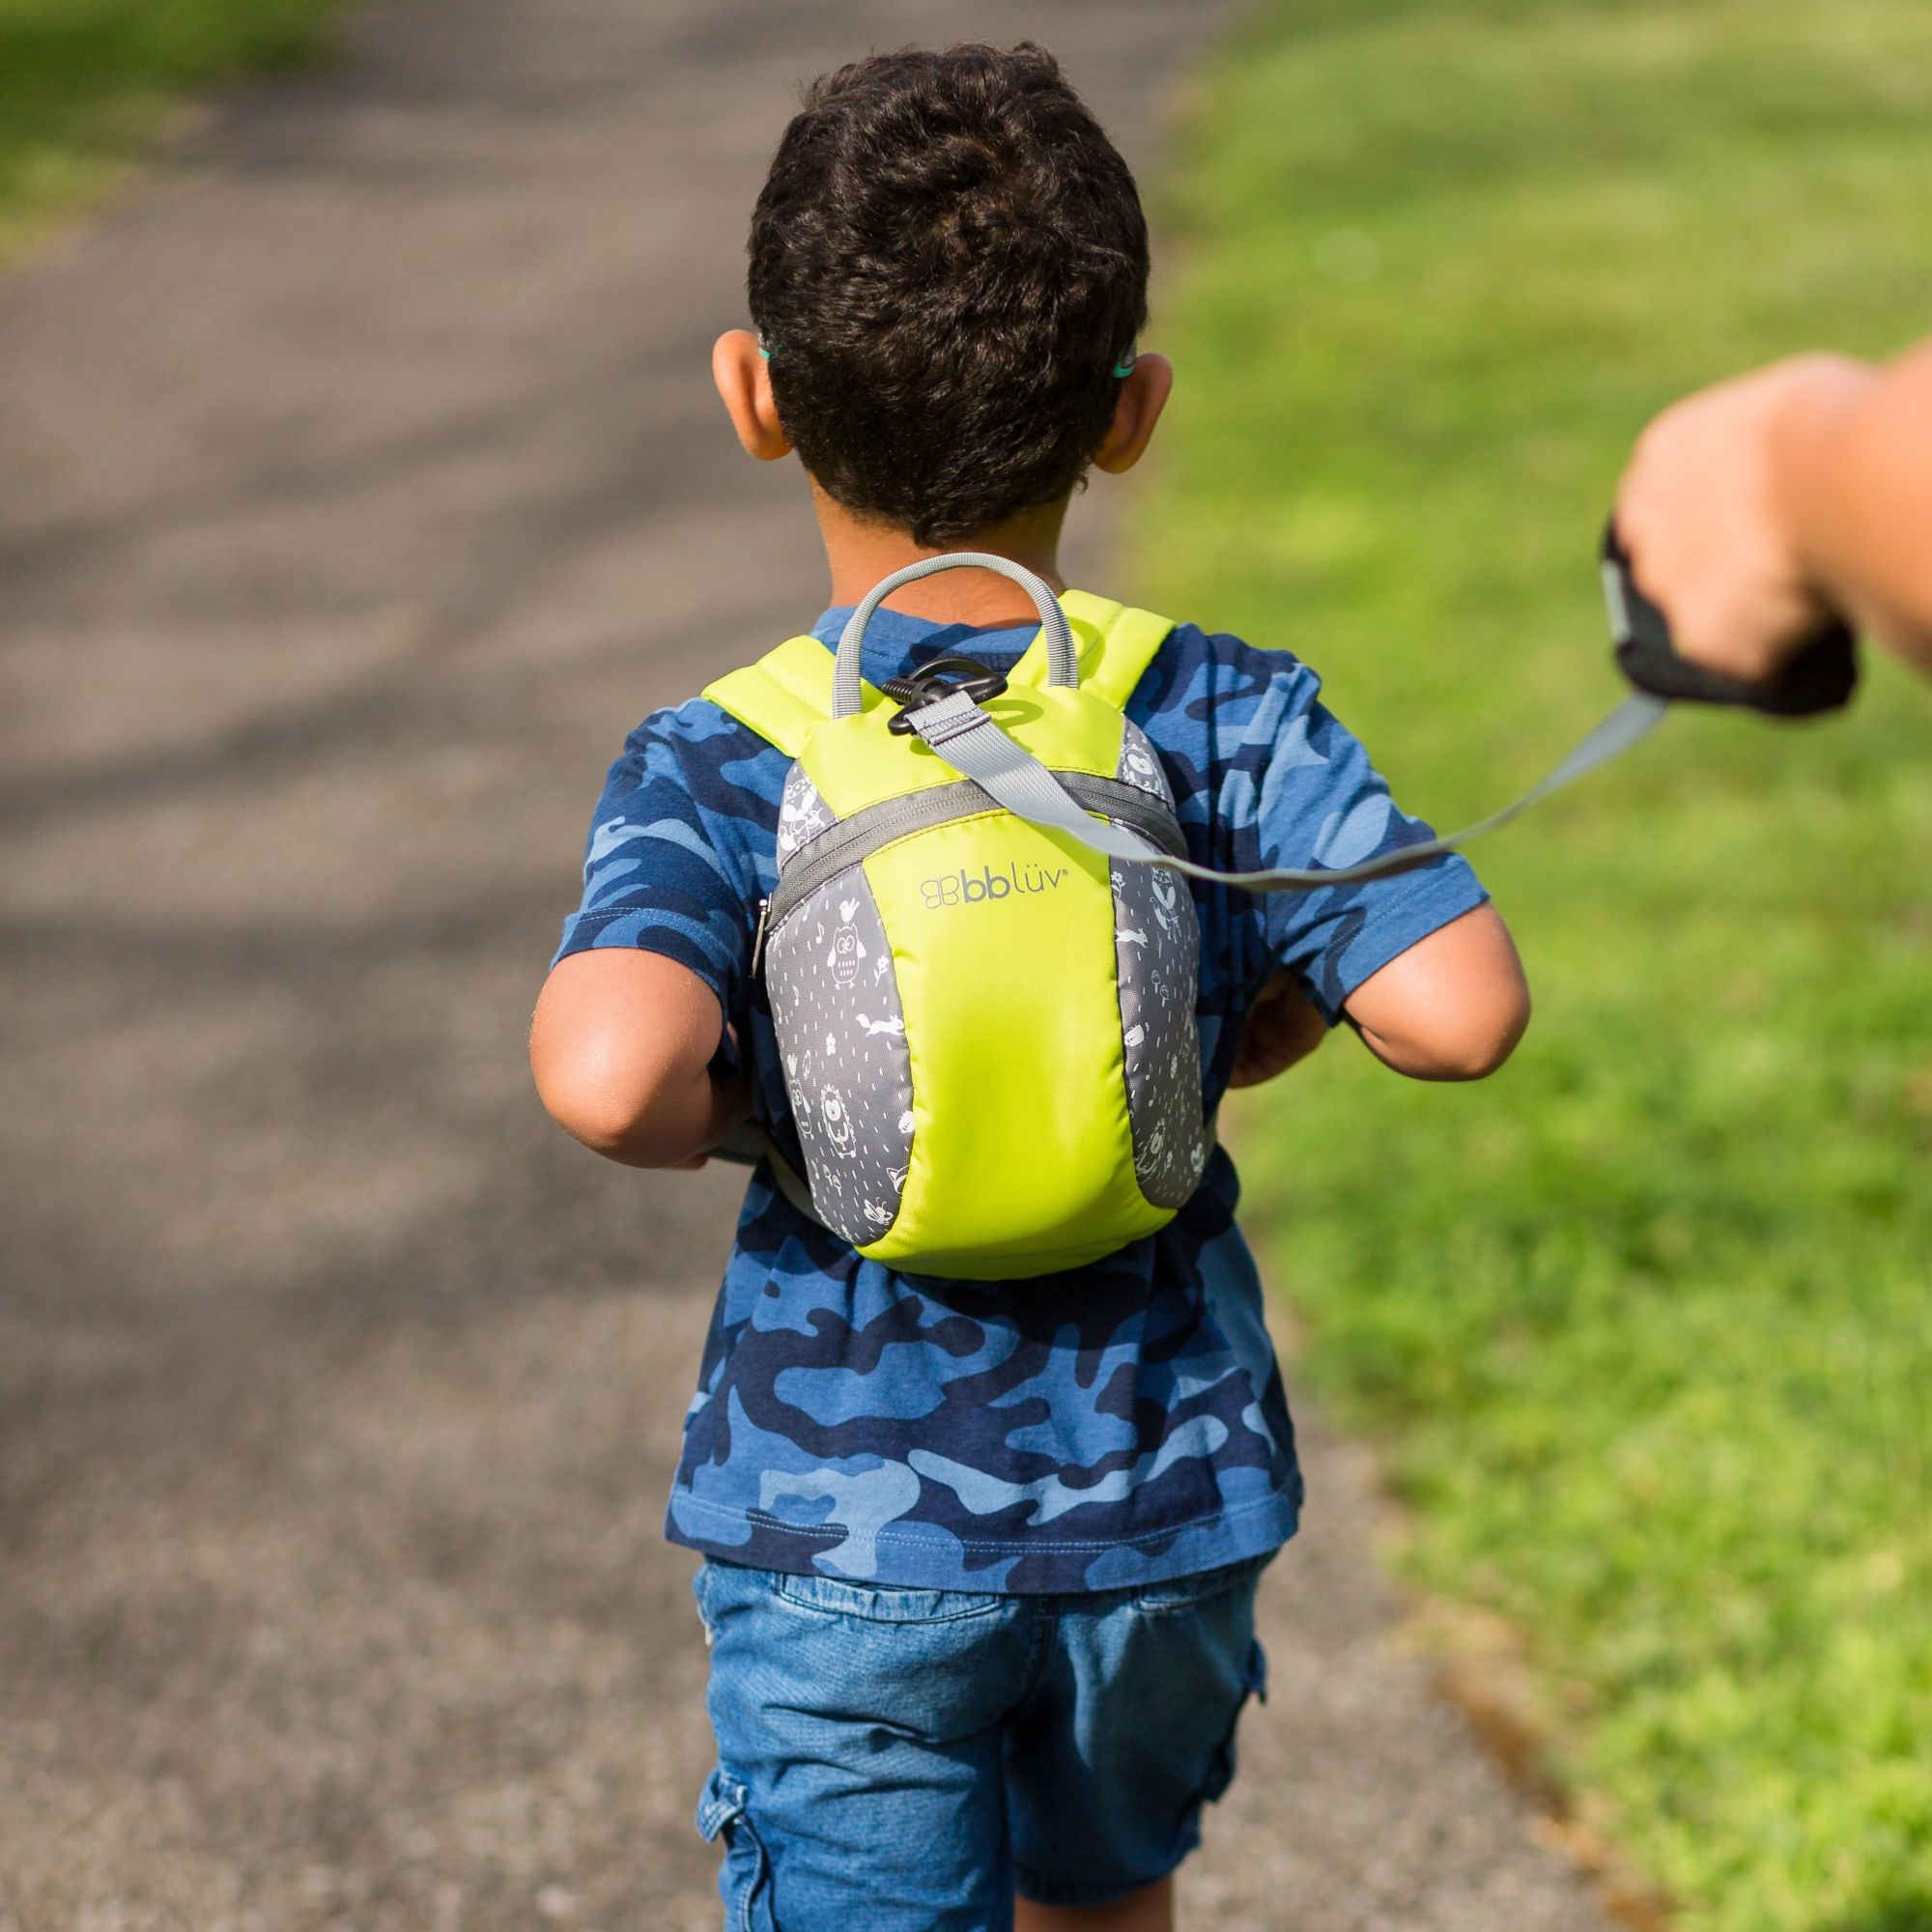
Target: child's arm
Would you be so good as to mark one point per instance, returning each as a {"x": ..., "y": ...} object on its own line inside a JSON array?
[
  {"x": 1452, "y": 1007},
  {"x": 621, "y": 1046}
]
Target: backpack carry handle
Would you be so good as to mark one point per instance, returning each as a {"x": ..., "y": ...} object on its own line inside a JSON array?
[{"x": 1063, "y": 656}]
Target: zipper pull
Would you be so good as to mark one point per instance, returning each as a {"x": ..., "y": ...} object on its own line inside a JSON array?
[{"x": 759, "y": 937}]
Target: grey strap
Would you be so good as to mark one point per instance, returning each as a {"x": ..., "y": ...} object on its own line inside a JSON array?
[
  {"x": 976, "y": 747},
  {"x": 1063, "y": 657}
]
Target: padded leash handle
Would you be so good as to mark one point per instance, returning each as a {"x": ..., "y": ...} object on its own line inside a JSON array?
[
  {"x": 1820, "y": 675},
  {"x": 1062, "y": 655}
]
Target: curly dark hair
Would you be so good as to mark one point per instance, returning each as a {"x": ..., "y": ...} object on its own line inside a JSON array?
[{"x": 947, "y": 261}]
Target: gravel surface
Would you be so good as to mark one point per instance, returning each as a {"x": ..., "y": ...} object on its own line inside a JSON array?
[{"x": 367, "y": 488}]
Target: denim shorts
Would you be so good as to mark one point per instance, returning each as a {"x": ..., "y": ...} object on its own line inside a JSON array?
[{"x": 903, "y": 1760}]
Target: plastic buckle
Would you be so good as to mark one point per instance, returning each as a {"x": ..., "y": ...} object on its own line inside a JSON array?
[{"x": 943, "y": 678}]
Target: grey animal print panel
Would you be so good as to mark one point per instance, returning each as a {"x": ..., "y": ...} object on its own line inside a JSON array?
[
  {"x": 836, "y": 1006},
  {"x": 802, "y": 816},
  {"x": 1138, "y": 765},
  {"x": 1157, "y": 945}
]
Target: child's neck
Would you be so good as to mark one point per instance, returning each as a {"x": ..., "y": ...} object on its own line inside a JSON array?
[{"x": 859, "y": 553}]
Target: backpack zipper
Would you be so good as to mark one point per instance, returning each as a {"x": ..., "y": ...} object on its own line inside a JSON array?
[{"x": 758, "y": 936}]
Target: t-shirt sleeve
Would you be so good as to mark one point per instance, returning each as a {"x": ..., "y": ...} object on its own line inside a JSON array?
[
  {"x": 1304, "y": 793},
  {"x": 660, "y": 872}
]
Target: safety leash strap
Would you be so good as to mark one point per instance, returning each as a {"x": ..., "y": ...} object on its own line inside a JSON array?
[
  {"x": 975, "y": 746},
  {"x": 1820, "y": 677}
]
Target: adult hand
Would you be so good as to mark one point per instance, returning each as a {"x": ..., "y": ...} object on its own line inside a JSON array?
[
  {"x": 1282, "y": 1027},
  {"x": 1710, "y": 516},
  {"x": 1751, "y": 509}
]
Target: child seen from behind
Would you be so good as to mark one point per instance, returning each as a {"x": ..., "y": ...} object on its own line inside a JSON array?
[{"x": 979, "y": 1557}]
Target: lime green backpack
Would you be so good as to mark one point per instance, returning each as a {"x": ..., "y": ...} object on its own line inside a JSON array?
[
  {"x": 987, "y": 1025},
  {"x": 981, "y": 957}
]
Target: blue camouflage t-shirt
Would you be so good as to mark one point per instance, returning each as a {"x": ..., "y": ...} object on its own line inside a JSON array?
[{"x": 1116, "y": 1424}]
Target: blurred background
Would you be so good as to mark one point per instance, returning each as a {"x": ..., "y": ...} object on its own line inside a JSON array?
[{"x": 363, "y": 487}]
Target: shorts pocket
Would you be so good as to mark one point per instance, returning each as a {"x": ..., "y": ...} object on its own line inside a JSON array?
[
  {"x": 882, "y": 1603},
  {"x": 1183, "y": 1593},
  {"x": 745, "y": 1880},
  {"x": 1254, "y": 1684},
  {"x": 1220, "y": 1771}
]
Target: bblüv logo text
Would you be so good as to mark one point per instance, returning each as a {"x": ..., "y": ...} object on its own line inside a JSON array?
[{"x": 964, "y": 888}]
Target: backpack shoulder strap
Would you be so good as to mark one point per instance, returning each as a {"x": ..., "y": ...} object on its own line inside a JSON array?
[
  {"x": 1117, "y": 644},
  {"x": 783, "y": 694}
]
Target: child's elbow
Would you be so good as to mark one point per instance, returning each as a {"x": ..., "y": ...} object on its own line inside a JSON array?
[
  {"x": 1484, "y": 1037},
  {"x": 604, "y": 1121},
  {"x": 635, "y": 1129},
  {"x": 590, "y": 1106},
  {"x": 602, "y": 1095},
  {"x": 1452, "y": 1008},
  {"x": 619, "y": 1044}
]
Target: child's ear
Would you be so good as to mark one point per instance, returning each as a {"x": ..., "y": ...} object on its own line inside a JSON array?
[
  {"x": 1144, "y": 394},
  {"x": 746, "y": 386}
]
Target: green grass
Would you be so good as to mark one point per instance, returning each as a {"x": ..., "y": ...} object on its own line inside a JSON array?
[
  {"x": 87, "y": 85},
  {"x": 1645, "y": 1323}
]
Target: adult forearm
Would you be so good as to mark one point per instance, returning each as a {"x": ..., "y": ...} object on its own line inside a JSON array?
[{"x": 1852, "y": 471}]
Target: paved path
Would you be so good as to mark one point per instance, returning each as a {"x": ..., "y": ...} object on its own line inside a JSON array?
[{"x": 364, "y": 485}]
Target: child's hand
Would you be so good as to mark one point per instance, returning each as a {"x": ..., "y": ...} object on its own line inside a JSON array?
[{"x": 1281, "y": 1027}]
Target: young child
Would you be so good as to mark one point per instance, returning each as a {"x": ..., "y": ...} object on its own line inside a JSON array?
[{"x": 979, "y": 1557}]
